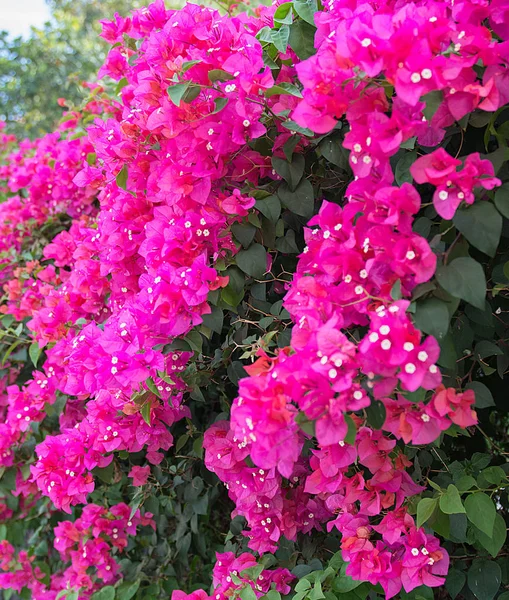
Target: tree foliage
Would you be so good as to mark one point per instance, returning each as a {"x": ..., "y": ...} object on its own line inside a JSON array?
[{"x": 52, "y": 63}]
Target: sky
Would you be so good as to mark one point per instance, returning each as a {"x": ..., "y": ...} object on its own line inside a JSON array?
[{"x": 16, "y": 16}]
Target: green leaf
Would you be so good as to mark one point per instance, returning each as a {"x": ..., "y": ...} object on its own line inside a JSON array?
[
  {"x": 176, "y": 92},
  {"x": 409, "y": 144},
  {"x": 498, "y": 158},
  {"x": 41, "y": 549},
  {"x": 272, "y": 595},
  {"x": 10, "y": 350},
  {"x": 422, "y": 226},
  {"x": 494, "y": 475},
  {"x": 421, "y": 593},
  {"x": 280, "y": 38},
  {"x": 105, "y": 473},
  {"x": 418, "y": 396},
  {"x": 376, "y": 414},
  {"x": 465, "y": 483},
  {"x": 7, "y": 321},
  {"x": 455, "y": 582},
  {"x": 425, "y": 509},
  {"x": 219, "y": 75},
  {"x": 481, "y": 317},
  {"x": 464, "y": 278},
  {"x": 291, "y": 172},
  {"x": 433, "y": 100},
  {"x": 284, "y": 14},
  {"x": 287, "y": 244},
  {"x": 120, "y": 86},
  {"x": 253, "y": 261},
  {"x": 214, "y": 320},
  {"x": 448, "y": 356},
  {"x": 219, "y": 104},
  {"x": 146, "y": 413},
  {"x": 441, "y": 523},
  {"x": 481, "y": 224},
  {"x": 252, "y": 573},
  {"x": 316, "y": 593},
  {"x": 105, "y": 593},
  {"x": 480, "y": 460},
  {"x": 283, "y": 89},
  {"x": 302, "y": 37},
  {"x": 268, "y": 61},
  {"x": 458, "y": 527},
  {"x": 307, "y": 426},
  {"x": 181, "y": 442},
  {"x": 306, "y": 10},
  {"x": 432, "y": 317},
  {"x": 121, "y": 178},
  {"x": 483, "y": 396},
  {"x": 127, "y": 590},
  {"x": 265, "y": 35},
  {"x": 188, "y": 64},
  {"x": 195, "y": 340},
  {"x": 402, "y": 172},
  {"x": 270, "y": 207},
  {"x": 244, "y": 233},
  {"x": 301, "y": 201},
  {"x": 34, "y": 351},
  {"x": 198, "y": 446},
  {"x": 396, "y": 290},
  {"x": 344, "y": 583},
  {"x": 296, "y": 128},
  {"x": 247, "y": 593},
  {"x": 502, "y": 200},
  {"x": 493, "y": 543},
  {"x": 481, "y": 512},
  {"x": 450, "y": 502},
  {"x": 484, "y": 578},
  {"x": 333, "y": 151},
  {"x": 351, "y": 432},
  {"x": 192, "y": 93},
  {"x": 290, "y": 145},
  {"x": 336, "y": 561},
  {"x": 152, "y": 387},
  {"x": 434, "y": 485},
  {"x": 485, "y": 349}
]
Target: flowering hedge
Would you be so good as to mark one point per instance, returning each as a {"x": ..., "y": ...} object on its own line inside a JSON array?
[{"x": 255, "y": 337}]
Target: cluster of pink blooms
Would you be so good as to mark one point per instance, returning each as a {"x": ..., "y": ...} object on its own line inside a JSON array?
[
  {"x": 16, "y": 570},
  {"x": 453, "y": 187},
  {"x": 131, "y": 276},
  {"x": 133, "y": 273},
  {"x": 228, "y": 579},
  {"x": 136, "y": 273},
  {"x": 46, "y": 167},
  {"x": 356, "y": 255},
  {"x": 85, "y": 543},
  {"x": 151, "y": 247}
]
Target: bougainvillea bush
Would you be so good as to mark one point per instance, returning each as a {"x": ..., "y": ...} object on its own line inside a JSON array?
[{"x": 254, "y": 327}]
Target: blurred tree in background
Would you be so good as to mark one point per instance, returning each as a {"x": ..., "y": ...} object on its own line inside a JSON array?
[{"x": 51, "y": 63}]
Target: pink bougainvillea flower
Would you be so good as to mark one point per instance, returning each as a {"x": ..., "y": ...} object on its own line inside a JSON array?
[{"x": 139, "y": 475}]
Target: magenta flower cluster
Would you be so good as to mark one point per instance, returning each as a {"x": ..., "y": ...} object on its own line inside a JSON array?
[
  {"x": 153, "y": 188},
  {"x": 354, "y": 257}
]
